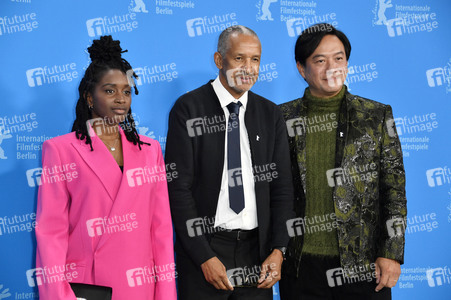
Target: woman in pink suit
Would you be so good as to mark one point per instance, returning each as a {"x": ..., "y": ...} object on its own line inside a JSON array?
[{"x": 103, "y": 214}]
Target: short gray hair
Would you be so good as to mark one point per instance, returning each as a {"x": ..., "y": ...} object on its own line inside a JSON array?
[{"x": 224, "y": 37}]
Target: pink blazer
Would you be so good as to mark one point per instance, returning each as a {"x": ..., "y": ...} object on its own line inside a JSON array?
[{"x": 99, "y": 226}]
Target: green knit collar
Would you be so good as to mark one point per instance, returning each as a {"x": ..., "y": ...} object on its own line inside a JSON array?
[{"x": 325, "y": 102}]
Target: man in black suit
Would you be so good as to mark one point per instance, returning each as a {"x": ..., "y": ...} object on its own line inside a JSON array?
[{"x": 233, "y": 194}]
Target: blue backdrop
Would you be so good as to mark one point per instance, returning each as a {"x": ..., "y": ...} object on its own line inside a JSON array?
[{"x": 400, "y": 56}]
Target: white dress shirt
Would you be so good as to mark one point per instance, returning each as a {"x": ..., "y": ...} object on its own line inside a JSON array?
[{"x": 225, "y": 216}]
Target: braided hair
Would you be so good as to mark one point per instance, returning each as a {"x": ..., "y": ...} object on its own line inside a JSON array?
[{"x": 105, "y": 55}]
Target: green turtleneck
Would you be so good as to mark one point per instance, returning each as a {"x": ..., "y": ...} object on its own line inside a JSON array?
[{"x": 322, "y": 118}]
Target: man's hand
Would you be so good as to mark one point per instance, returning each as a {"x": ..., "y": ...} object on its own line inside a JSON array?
[
  {"x": 215, "y": 273},
  {"x": 387, "y": 272},
  {"x": 271, "y": 269}
]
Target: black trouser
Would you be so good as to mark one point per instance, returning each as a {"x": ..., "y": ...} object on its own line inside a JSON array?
[
  {"x": 314, "y": 284},
  {"x": 234, "y": 253}
]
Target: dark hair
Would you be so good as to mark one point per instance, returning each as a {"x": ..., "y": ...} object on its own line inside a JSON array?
[
  {"x": 105, "y": 55},
  {"x": 310, "y": 38}
]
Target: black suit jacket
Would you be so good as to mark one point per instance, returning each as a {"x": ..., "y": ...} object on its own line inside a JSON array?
[{"x": 198, "y": 154}]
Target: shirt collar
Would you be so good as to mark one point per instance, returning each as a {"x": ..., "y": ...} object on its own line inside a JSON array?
[{"x": 225, "y": 98}]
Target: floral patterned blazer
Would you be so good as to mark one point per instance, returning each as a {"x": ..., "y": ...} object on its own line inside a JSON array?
[{"x": 370, "y": 204}]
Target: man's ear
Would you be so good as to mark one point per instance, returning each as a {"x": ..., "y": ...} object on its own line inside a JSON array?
[
  {"x": 301, "y": 69},
  {"x": 218, "y": 60}
]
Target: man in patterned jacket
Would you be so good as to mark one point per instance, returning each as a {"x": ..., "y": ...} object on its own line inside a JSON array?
[{"x": 348, "y": 238}]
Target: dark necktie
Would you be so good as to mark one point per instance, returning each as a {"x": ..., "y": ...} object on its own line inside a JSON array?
[{"x": 235, "y": 179}]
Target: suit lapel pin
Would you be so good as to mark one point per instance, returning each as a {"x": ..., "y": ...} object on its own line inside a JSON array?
[{"x": 258, "y": 138}]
